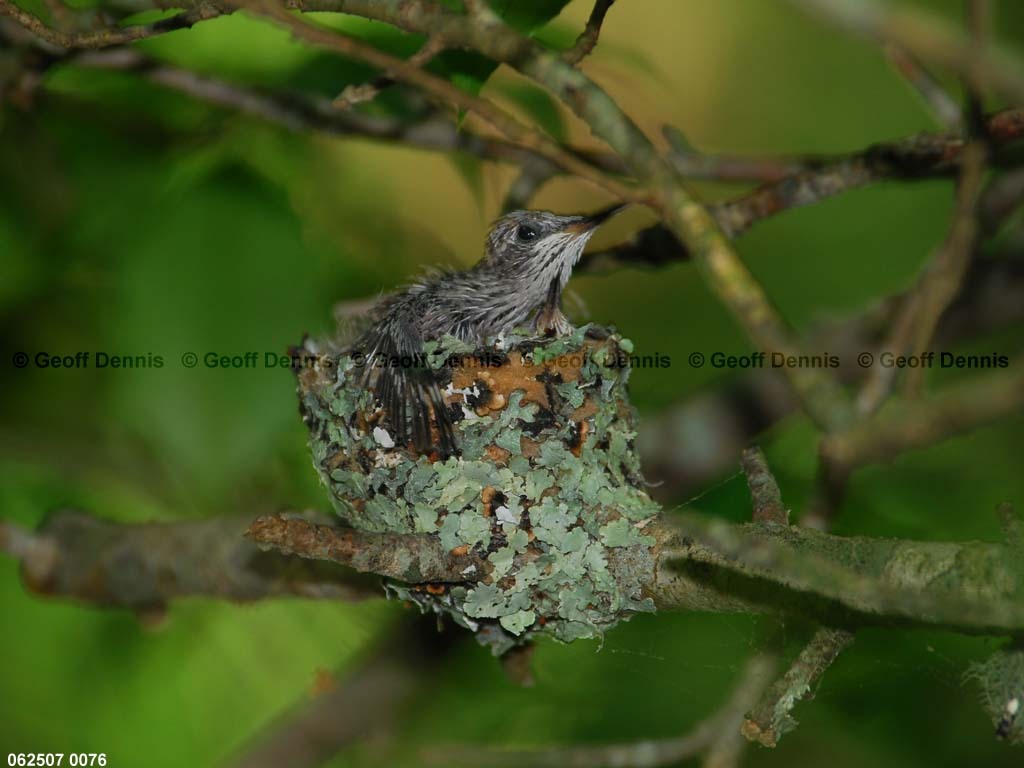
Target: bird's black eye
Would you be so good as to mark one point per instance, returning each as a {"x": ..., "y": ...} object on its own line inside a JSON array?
[{"x": 525, "y": 233}]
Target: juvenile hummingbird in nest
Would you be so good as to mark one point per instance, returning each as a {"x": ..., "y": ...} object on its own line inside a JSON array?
[{"x": 528, "y": 259}]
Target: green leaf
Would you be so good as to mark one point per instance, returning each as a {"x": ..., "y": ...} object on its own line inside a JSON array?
[
  {"x": 526, "y": 16},
  {"x": 539, "y": 105},
  {"x": 468, "y": 70},
  {"x": 472, "y": 172}
]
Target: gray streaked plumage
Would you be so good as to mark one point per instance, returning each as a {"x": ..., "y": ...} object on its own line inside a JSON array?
[{"x": 528, "y": 261}]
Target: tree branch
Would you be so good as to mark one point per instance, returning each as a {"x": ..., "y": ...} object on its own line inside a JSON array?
[
  {"x": 587, "y": 40},
  {"x": 837, "y": 581},
  {"x": 981, "y": 400},
  {"x": 298, "y": 112},
  {"x": 687, "y": 219},
  {"x": 771, "y": 718},
  {"x": 818, "y": 391},
  {"x": 927, "y": 38},
  {"x": 106, "y": 38},
  {"x": 795, "y": 182},
  {"x": 145, "y": 566},
  {"x": 412, "y": 558},
  {"x": 709, "y": 734},
  {"x": 359, "y": 94},
  {"x": 764, "y": 490},
  {"x": 937, "y": 286},
  {"x": 932, "y": 93},
  {"x": 924, "y": 156},
  {"x": 445, "y": 92}
]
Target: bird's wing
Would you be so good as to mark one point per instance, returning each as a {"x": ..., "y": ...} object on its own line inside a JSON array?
[{"x": 396, "y": 370}]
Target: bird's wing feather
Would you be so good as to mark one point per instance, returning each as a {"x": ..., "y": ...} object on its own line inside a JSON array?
[{"x": 395, "y": 369}]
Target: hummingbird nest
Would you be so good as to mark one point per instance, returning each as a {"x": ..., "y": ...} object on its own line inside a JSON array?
[{"x": 546, "y": 489}]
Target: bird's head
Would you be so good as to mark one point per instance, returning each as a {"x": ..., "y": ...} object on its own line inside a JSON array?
[{"x": 539, "y": 246}]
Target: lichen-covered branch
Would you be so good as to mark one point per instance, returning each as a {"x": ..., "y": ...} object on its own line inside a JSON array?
[
  {"x": 1012, "y": 525},
  {"x": 1001, "y": 680},
  {"x": 764, "y": 490},
  {"x": 412, "y": 558},
  {"x": 838, "y": 581},
  {"x": 771, "y": 718},
  {"x": 145, "y": 566},
  {"x": 700, "y": 565}
]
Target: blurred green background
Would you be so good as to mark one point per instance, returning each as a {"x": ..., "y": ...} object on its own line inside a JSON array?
[{"x": 134, "y": 220}]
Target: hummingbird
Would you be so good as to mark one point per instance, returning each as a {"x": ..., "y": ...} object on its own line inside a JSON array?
[{"x": 528, "y": 259}]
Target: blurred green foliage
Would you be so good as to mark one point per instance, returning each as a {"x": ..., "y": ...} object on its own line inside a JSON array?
[{"x": 135, "y": 221}]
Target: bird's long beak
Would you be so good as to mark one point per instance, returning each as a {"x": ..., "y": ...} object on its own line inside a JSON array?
[{"x": 594, "y": 220}]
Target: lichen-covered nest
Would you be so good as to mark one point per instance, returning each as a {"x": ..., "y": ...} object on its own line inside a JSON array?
[{"x": 546, "y": 490}]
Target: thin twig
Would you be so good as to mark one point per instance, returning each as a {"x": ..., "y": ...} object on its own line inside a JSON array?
[
  {"x": 576, "y": 163},
  {"x": 587, "y": 40},
  {"x": 298, "y": 112},
  {"x": 1012, "y": 524},
  {"x": 445, "y": 92},
  {"x": 710, "y": 733},
  {"x": 815, "y": 179},
  {"x": 936, "y": 288},
  {"x": 927, "y": 38},
  {"x": 979, "y": 13},
  {"x": 819, "y": 392},
  {"x": 981, "y": 400},
  {"x": 106, "y": 38},
  {"x": 1000, "y": 199},
  {"x": 924, "y": 156},
  {"x": 942, "y": 105},
  {"x": 771, "y": 718},
  {"x": 359, "y": 94},
  {"x": 946, "y": 275},
  {"x": 764, "y": 490},
  {"x": 532, "y": 176}
]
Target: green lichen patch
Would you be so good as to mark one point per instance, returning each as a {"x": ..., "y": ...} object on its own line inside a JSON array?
[
  {"x": 546, "y": 488},
  {"x": 1001, "y": 678}
]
